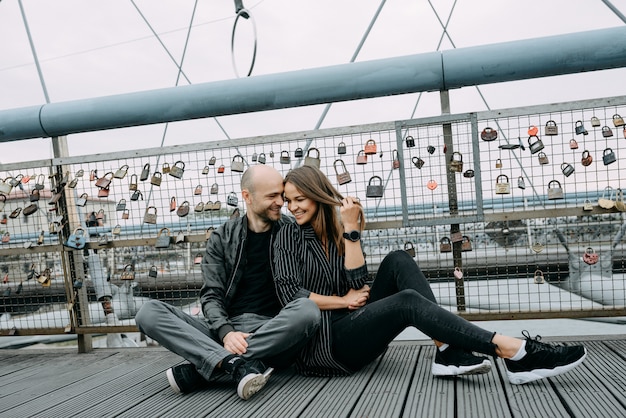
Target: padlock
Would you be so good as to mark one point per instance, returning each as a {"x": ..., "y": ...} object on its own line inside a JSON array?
[
  {"x": 132, "y": 183},
  {"x": 608, "y": 156},
  {"x": 445, "y": 245},
  {"x": 537, "y": 247},
  {"x": 456, "y": 236},
  {"x": 136, "y": 195},
  {"x": 312, "y": 160},
  {"x": 236, "y": 214},
  {"x": 341, "y": 148},
  {"x": 5, "y": 187},
  {"x": 468, "y": 173},
  {"x": 104, "y": 192},
  {"x": 502, "y": 184},
  {"x": 430, "y": 149},
  {"x": 607, "y": 132},
  {"x": 100, "y": 215},
  {"x": 145, "y": 172},
  {"x": 520, "y": 182},
  {"x": 374, "y": 190},
  {"x": 117, "y": 229},
  {"x": 93, "y": 175},
  {"x": 579, "y": 128},
  {"x": 458, "y": 273},
  {"x": 536, "y": 145},
  {"x": 80, "y": 173},
  {"x": 121, "y": 205},
  {"x": 183, "y": 209},
  {"x": 396, "y": 160},
  {"x": 619, "y": 200},
  {"x": 587, "y": 205},
  {"x": 498, "y": 163},
  {"x": 410, "y": 142},
  {"x": 104, "y": 181},
  {"x": 177, "y": 170},
  {"x": 370, "y": 147},
  {"x": 543, "y": 158},
  {"x": 590, "y": 256},
  {"x": 255, "y": 157},
  {"x": 489, "y": 134},
  {"x": 156, "y": 178},
  {"x": 551, "y": 128},
  {"x": 212, "y": 160},
  {"x": 217, "y": 205},
  {"x": 533, "y": 130},
  {"x": 199, "y": 207},
  {"x": 16, "y": 212},
  {"x": 586, "y": 158},
  {"x": 573, "y": 144},
  {"x": 237, "y": 164},
  {"x": 417, "y": 162},
  {"x": 606, "y": 200},
  {"x": 539, "y": 277},
  {"x": 214, "y": 188},
  {"x": 198, "y": 190},
  {"x": 72, "y": 184},
  {"x": 103, "y": 240},
  {"x": 45, "y": 278},
  {"x": 261, "y": 159},
  {"x": 595, "y": 122},
  {"x": 232, "y": 200},
  {"x": 567, "y": 169},
  {"x": 30, "y": 209},
  {"x": 128, "y": 273},
  {"x": 126, "y": 214},
  {"x": 361, "y": 158},
  {"x": 456, "y": 162},
  {"x": 284, "y": 157},
  {"x": 34, "y": 195},
  {"x": 82, "y": 200},
  {"x": 152, "y": 272},
  {"x": 180, "y": 237},
  {"x": 554, "y": 190},
  {"x": 120, "y": 173},
  {"x": 17, "y": 180},
  {"x": 162, "y": 239},
  {"x": 165, "y": 168},
  {"x": 431, "y": 184},
  {"x": 466, "y": 244},
  {"x": 618, "y": 120},
  {"x": 343, "y": 176},
  {"x": 409, "y": 248},
  {"x": 197, "y": 258},
  {"x": 77, "y": 240},
  {"x": 150, "y": 216},
  {"x": 40, "y": 182},
  {"x": 205, "y": 170},
  {"x": 221, "y": 169},
  {"x": 298, "y": 153},
  {"x": 6, "y": 237}
]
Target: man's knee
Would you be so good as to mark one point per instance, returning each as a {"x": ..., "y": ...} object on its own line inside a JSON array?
[
  {"x": 306, "y": 313},
  {"x": 148, "y": 314}
]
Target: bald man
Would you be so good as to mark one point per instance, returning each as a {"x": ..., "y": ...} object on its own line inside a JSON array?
[{"x": 244, "y": 333}]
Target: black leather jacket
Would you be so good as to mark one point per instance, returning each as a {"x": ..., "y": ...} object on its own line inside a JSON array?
[{"x": 223, "y": 266}]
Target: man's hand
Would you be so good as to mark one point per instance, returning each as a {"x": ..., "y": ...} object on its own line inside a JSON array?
[{"x": 235, "y": 342}]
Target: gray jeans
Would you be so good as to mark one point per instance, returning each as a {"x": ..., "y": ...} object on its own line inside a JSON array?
[{"x": 275, "y": 341}]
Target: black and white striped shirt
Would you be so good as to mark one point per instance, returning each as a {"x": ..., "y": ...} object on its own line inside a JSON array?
[{"x": 301, "y": 267}]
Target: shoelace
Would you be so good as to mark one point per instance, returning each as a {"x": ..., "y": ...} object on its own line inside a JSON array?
[{"x": 537, "y": 341}]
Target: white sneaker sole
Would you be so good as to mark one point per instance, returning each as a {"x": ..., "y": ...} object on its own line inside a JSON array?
[
  {"x": 525, "y": 377},
  {"x": 172, "y": 381},
  {"x": 441, "y": 370},
  {"x": 252, "y": 383}
]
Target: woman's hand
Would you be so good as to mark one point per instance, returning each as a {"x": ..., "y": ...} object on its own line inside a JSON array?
[
  {"x": 357, "y": 298},
  {"x": 351, "y": 212}
]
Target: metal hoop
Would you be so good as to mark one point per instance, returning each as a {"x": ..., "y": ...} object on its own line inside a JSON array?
[{"x": 244, "y": 13}]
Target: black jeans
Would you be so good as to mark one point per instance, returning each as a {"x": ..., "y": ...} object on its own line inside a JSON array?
[{"x": 401, "y": 297}]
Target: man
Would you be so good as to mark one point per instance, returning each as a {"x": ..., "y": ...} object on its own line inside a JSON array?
[{"x": 244, "y": 328}]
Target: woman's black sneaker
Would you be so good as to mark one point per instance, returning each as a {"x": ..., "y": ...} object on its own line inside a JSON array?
[
  {"x": 455, "y": 362},
  {"x": 543, "y": 360}
]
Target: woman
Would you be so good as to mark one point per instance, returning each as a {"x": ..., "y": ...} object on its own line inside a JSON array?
[{"x": 320, "y": 257}]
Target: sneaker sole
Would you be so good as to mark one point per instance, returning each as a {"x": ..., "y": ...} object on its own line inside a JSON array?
[
  {"x": 521, "y": 378},
  {"x": 441, "y": 370},
  {"x": 172, "y": 381},
  {"x": 252, "y": 383}
]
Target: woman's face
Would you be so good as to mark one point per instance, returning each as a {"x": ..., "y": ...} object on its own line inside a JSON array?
[{"x": 301, "y": 207}]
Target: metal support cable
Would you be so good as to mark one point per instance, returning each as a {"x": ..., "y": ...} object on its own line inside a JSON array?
[
  {"x": 615, "y": 10},
  {"x": 34, "y": 51}
]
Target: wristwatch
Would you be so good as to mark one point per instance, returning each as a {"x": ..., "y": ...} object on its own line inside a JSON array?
[{"x": 353, "y": 236}]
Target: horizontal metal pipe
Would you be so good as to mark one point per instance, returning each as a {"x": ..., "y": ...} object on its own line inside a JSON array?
[{"x": 517, "y": 60}]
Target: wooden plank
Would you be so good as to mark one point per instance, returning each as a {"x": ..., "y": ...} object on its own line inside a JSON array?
[
  {"x": 429, "y": 396},
  {"x": 481, "y": 396}
]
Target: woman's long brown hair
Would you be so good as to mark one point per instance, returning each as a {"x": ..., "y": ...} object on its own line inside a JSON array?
[{"x": 314, "y": 184}]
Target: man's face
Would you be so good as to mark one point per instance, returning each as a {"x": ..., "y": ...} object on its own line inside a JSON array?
[{"x": 267, "y": 200}]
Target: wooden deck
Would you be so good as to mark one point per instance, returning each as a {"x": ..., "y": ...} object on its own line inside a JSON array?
[{"x": 131, "y": 383}]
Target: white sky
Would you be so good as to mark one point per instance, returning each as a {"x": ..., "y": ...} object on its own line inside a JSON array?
[{"x": 90, "y": 49}]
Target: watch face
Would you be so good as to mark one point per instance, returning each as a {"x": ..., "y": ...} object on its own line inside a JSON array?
[{"x": 352, "y": 235}]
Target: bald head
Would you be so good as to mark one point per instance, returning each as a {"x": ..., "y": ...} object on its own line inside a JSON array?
[{"x": 259, "y": 174}]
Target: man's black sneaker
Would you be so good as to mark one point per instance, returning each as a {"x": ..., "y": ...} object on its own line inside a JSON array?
[
  {"x": 455, "y": 361},
  {"x": 543, "y": 360},
  {"x": 250, "y": 375},
  {"x": 185, "y": 378}
]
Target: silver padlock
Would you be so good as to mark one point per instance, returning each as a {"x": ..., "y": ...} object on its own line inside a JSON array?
[
  {"x": 536, "y": 145},
  {"x": 284, "y": 157},
  {"x": 374, "y": 190},
  {"x": 551, "y": 128},
  {"x": 153, "y": 272},
  {"x": 232, "y": 200},
  {"x": 177, "y": 170},
  {"x": 456, "y": 162},
  {"x": 341, "y": 148},
  {"x": 150, "y": 217},
  {"x": 567, "y": 169},
  {"x": 214, "y": 188},
  {"x": 410, "y": 141},
  {"x": 237, "y": 165},
  {"x": 520, "y": 183},
  {"x": 608, "y": 156},
  {"x": 312, "y": 160},
  {"x": 261, "y": 159},
  {"x": 163, "y": 238},
  {"x": 343, "y": 176},
  {"x": 579, "y": 128},
  {"x": 554, "y": 190},
  {"x": 502, "y": 184}
]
